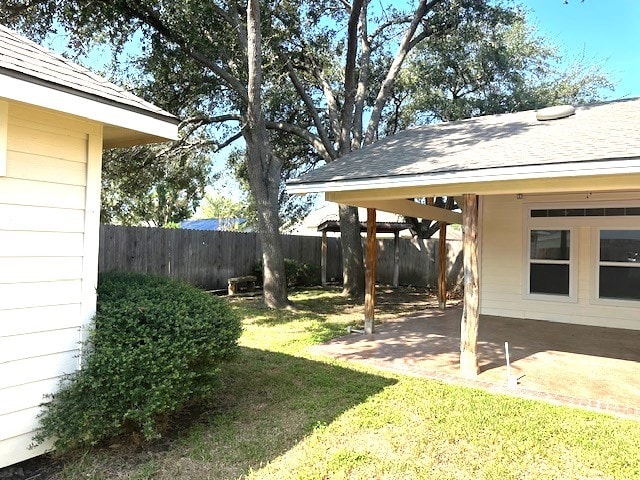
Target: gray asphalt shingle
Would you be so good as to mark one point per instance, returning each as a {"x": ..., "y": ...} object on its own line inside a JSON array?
[
  {"x": 607, "y": 130},
  {"x": 20, "y": 56}
]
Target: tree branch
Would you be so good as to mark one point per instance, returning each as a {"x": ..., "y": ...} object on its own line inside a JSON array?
[
  {"x": 363, "y": 80},
  {"x": 227, "y": 117},
  {"x": 313, "y": 111},
  {"x": 350, "y": 79},
  {"x": 332, "y": 103},
  {"x": 394, "y": 70},
  {"x": 389, "y": 23},
  {"x": 304, "y": 134},
  {"x": 150, "y": 17},
  {"x": 220, "y": 145}
]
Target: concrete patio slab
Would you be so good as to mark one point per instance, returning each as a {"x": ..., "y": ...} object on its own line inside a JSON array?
[{"x": 591, "y": 367}]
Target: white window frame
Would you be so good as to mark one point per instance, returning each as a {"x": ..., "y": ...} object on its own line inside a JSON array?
[
  {"x": 550, "y": 223},
  {"x": 572, "y": 262},
  {"x": 595, "y": 256},
  {"x": 4, "y": 122}
]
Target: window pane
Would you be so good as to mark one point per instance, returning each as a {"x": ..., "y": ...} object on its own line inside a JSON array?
[
  {"x": 550, "y": 244},
  {"x": 620, "y": 282},
  {"x": 620, "y": 246},
  {"x": 549, "y": 278}
]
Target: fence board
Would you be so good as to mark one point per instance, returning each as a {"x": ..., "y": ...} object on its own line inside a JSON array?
[{"x": 207, "y": 258}]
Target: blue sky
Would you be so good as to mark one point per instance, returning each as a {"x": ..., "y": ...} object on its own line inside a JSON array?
[{"x": 606, "y": 32}]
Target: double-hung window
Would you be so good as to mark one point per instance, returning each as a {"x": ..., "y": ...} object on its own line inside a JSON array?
[
  {"x": 550, "y": 262},
  {"x": 619, "y": 264}
]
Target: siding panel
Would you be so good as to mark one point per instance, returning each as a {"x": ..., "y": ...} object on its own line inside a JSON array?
[
  {"x": 39, "y": 269},
  {"x": 26, "y": 396},
  {"x": 48, "y": 121},
  {"x": 45, "y": 169},
  {"x": 17, "y": 449},
  {"x": 35, "y": 369},
  {"x": 40, "y": 244},
  {"x": 18, "y": 423},
  {"x": 20, "y": 347},
  {"x": 43, "y": 143},
  {"x": 41, "y": 219},
  {"x": 24, "y": 295},
  {"x": 14, "y": 191},
  {"x": 38, "y": 319}
]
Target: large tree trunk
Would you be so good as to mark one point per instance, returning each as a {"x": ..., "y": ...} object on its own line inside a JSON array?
[
  {"x": 265, "y": 194},
  {"x": 352, "y": 254},
  {"x": 351, "y": 241},
  {"x": 264, "y": 170}
]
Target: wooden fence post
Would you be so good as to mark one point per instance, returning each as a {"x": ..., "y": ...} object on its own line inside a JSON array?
[
  {"x": 323, "y": 260},
  {"x": 370, "y": 273},
  {"x": 470, "y": 316},
  {"x": 442, "y": 266},
  {"x": 396, "y": 258}
]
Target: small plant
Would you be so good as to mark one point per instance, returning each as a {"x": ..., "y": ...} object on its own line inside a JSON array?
[
  {"x": 301, "y": 274},
  {"x": 155, "y": 345},
  {"x": 298, "y": 274}
]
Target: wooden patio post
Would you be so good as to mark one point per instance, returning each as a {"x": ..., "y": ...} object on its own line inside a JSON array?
[
  {"x": 396, "y": 258},
  {"x": 323, "y": 259},
  {"x": 370, "y": 273},
  {"x": 470, "y": 315},
  {"x": 442, "y": 266}
]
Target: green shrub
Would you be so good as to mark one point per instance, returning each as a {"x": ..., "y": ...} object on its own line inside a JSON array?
[
  {"x": 301, "y": 274},
  {"x": 155, "y": 345},
  {"x": 298, "y": 274}
]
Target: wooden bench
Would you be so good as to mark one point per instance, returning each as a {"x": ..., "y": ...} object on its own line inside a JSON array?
[{"x": 241, "y": 284}]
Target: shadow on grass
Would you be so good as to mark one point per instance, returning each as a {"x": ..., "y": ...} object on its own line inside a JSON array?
[
  {"x": 269, "y": 403},
  {"x": 319, "y": 304}
]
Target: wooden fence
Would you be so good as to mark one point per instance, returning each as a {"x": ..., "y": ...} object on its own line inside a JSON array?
[{"x": 207, "y": 258}]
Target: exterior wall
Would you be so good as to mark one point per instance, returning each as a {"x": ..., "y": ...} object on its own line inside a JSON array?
[
  {"x": 504, "y": 251},
  {"x": 49, "y": 220}
]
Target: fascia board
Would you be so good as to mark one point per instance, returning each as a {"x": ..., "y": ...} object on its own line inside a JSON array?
[
  {"x": 528, "y": 172},
  {"x": 42, "y": 96}
]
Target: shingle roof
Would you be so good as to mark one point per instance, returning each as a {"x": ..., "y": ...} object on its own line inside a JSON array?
[
  {"x": 603, "y": 131},
  {"x": 24, "y": 58}
]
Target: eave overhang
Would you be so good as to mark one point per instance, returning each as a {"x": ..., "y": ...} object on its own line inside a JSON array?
[
  {"x": 394, "y": 193},
  {"x": 124, "y": 125},
  {"x": 539, "y": 178}
]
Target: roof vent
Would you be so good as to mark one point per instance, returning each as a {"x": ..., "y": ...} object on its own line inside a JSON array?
[{"x": 556, "y": 112}]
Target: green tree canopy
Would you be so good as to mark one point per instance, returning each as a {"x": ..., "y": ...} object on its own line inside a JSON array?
[
  {"x": 499, "y": 65},
  {"x": 201, "y": 59},
  {"x": 496, "y": 64},
  {"x": 235, "y": 215},
  {"x": 154, "y": 185},
  {"x": 321, "y": 76}
]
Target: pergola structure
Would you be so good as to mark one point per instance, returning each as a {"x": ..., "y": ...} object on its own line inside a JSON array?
[{"x": 381, "y": 227}]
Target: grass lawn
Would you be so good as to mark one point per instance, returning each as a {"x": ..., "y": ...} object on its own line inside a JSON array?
[{"x": 283, "y": 414}]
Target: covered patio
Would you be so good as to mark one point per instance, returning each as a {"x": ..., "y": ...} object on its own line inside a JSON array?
[
  {"x": 550, "y": 212},
  {"x": 577, "y": 365}
]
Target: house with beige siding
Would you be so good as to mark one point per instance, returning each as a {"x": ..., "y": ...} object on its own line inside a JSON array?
[
  {"x": 55, "y": 119},
  {"x": 550, "y": 201}
]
